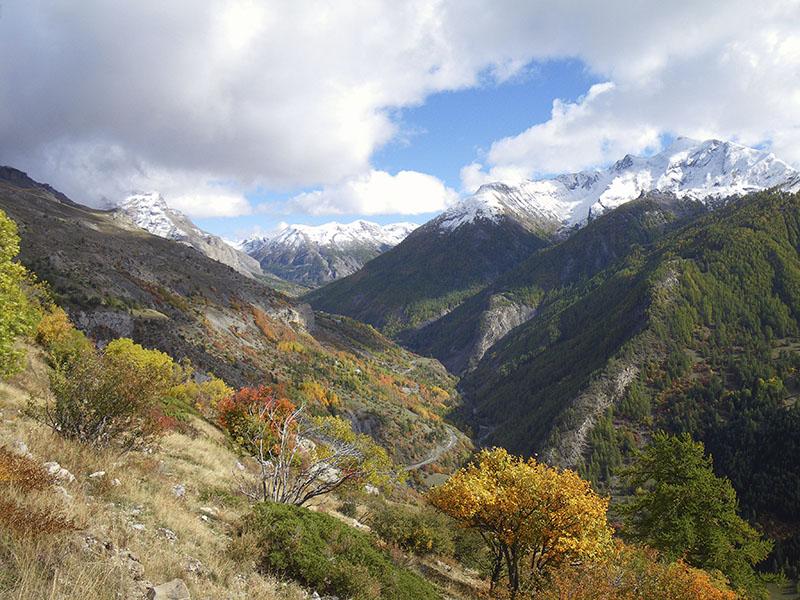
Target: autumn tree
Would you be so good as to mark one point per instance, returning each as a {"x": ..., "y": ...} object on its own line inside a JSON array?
[
  {"x": 686, "y": 512},
  {"x": 300, "y": 456},
  {"x": 109, "y": 397},
  {"x": 17, "y": 318},
  {"x": 533, "y": 517}
]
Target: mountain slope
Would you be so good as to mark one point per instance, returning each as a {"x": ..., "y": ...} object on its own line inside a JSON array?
[
  {"x": 461, "y": 252},
  {"x": 429, "y": 273},
  {"x": 460, "y": 338},
  {"x": 120, "y": 281},
  {"x": 151, "y": 213},
  {"x": 698, "y": 331},
  {"x": 313, "y": 256}
]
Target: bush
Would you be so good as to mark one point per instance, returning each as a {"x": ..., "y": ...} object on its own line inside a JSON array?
[
  {"x": 421, "y": 531},
  {"x": 628, "y": 572},
  {"x": 109, "y": 398},
  {"x": 58, "y": 336},
  {"x": 325, "y": 554}
]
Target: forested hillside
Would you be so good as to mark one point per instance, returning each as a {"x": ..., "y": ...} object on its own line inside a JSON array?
[{"x": 696, "y": 332}]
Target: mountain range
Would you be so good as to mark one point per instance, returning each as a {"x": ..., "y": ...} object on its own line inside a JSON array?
[
  {"x": 313, "y": 256},
  {"x": 462, "y": 251},
  {"x": 118, "y": 280},
  {"x": 575, "y": 315}
]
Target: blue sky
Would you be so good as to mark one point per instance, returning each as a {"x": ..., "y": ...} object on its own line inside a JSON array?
[{"x": 446, "y": 132}]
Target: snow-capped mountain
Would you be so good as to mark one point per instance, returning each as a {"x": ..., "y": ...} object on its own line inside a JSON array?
[
  {"x": 313, "y": 255},
  {"x": 705, "y": 171},
  {"x": 150, "y": 212}
]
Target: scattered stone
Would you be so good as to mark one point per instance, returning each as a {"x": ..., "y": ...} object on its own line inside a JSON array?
[
  {"x": 116, "y": 482},
  {"x": 172, "y": 590},
  {"x": 97, "y": 475},
  {"x": 179, "y": 490},
  {"x": 193, "y": 566},
  {"x": 316, "y": 596},
  {"x": 239, "y": 466},
  {"x": 132, "y": 564},
  {"x": 138, "y": 526},
  {"x": 209, "y": 511},
  {"x": 60, "y": 473},
  {"x": 168, "y": 533},
  {"x": 372, "y": 490},
  {"x": 63, "y": 492},
  {"x": 21, "y": 448},
  {"x": 204, "y": 518},
  {"x": 136, "y": 510}
]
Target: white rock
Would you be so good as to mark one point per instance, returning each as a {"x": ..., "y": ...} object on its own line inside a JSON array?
[
  {"x": 97, "y": 475},
  {"x": 172, "y": 590},
  {"x": 138, "y": 526},
  {"x": 179, "y": 490},
  {"x": 116, "y": 482},
  {"x": 63, "y": 492},
  {"x": 20, "y": 448}
]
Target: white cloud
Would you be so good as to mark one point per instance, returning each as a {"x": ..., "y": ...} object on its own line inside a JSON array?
[
  {"x": 375, "y": 193},
  {"x": 216, "y": 98},
  {"x": 683, "y": 69}
]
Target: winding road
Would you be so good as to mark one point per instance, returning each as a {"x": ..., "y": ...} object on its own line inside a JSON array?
[{"x": 437, "y": 452}]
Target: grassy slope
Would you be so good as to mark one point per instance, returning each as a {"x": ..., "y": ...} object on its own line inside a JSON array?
[
  {"x": 138, "y": 531},
  {"x": 125, "y": 282}
]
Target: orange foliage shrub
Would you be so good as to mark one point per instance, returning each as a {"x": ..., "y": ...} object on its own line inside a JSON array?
[
  {"x": 22, "y": 472},
  {"x": 27, "y": 521},
  {"x": 631, "y": 573},
  {"x": 241, "y": 413}
]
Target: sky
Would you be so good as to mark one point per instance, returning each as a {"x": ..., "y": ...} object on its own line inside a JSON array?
[{"x": 246, "y": 114}]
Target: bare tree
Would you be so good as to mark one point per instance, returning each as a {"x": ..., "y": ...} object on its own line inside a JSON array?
[{"x": 301, "y": 457}]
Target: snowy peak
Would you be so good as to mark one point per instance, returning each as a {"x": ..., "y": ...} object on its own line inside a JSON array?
[
  {"x": 699, "y": 170},
  {"x": 150, "y": 212},
  {"x": 313, "y": 255},
  {"x": 336, "y": 235}
]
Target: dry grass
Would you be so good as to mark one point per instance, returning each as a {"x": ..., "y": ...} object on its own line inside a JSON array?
[{"x": 132, "y": 526}]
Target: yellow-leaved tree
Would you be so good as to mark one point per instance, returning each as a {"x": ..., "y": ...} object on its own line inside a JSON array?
[
  {"x": 533, "y": 517},
  {"x": 17, "y": 317}
]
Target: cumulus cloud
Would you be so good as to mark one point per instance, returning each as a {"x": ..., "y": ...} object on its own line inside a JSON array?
[
  {"x": 374, "y": 193},
  {"x": 212, "y": 99},
  {"x": 675, "y": 69}
]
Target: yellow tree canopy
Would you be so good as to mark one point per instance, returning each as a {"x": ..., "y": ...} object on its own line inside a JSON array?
[{"x": 527, "y": 510}]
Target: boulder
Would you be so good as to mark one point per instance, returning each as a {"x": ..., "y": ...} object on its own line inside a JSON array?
[{"x": 171, "y": 590}]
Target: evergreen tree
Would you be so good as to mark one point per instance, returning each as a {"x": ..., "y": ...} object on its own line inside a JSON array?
[{"x": 685, "y": 511}]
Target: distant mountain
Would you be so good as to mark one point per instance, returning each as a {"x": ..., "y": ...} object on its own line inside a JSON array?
[
  {"x": 313, "y": 256},
  {"x": 150, "y": 212},
  {"x": 433, "y": 270},
  {"x": 462, "y": 251},
  {"x": 706, "y": 171}
]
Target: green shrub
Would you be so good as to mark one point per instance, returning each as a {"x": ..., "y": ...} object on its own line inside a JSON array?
[
  {"x": 422, "y": 531},
  {"x": 328, "y": 556}
]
